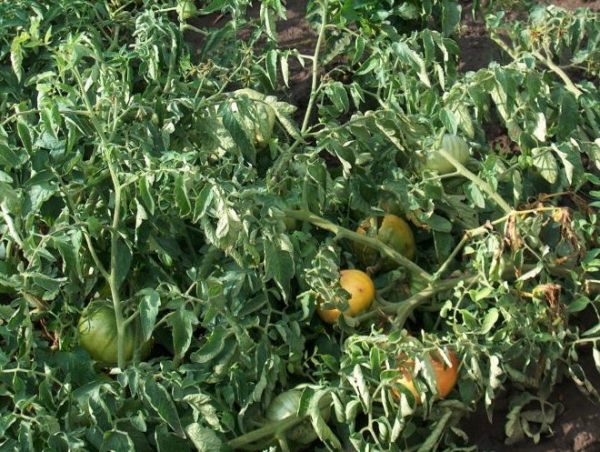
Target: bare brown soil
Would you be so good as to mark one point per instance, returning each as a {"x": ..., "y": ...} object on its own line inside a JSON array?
[{"x": 577, "y": 427}]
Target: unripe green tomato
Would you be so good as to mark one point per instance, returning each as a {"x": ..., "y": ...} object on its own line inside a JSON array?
[
  {"x": 285, "y": 405},
  {"x": 186, "y": 9},
  {"x": 98, "y": 334},
  {"x": 455, "y": 146}
]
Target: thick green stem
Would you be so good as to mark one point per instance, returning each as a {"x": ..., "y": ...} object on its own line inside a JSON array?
[
  {"x": 404, "y": 308},
  {"x": 558, "y": 71},
  {"x": 113, "y": 283},
  {"x": 271, "y": 429},
  {"x": 344, "y": 233},
  {"x": 460, "y": 168},
  {"x": 112, "y": 280},
  {"x": 315, "y": 67}
]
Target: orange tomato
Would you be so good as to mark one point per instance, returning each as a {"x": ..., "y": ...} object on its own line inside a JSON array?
[
  {"x": 362, "y": 293},
  {"x": 445, "y": 377}
]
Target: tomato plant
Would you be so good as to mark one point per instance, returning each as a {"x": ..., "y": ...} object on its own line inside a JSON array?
[{"x": 200, "y": 178}]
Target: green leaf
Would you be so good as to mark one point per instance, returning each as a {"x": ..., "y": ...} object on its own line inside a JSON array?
[
  {"x": 271, "y": 62},
  {"x": 25, "y": 135},
  {"x": 449, "y": 120},
  {"x": 539, "y": 130},
  {"x": 10, "y": 158},
  {"x": 159, "y": 399},
  {"x": 182, "y": 322},
  {"x": 279, "y": 266},
  {"x": 285, "y": 71},
  {"x": 579, "y": 304},
  {"x": 116, "y": 440},
  {"x": 16, "y": 54},
  {"x": 490, "y": 319},
  {"x": 414, "y": 59},
  {"x": 123, "y": 261},
  {"x": 181, "y": 196},
  {"x": 212, "y": 347},
  {"x": 544, "y": 161},
  {"x": 318, "y": 423},
  {"x": 450, "y": 16},
  {"x": 238, "y": 134},
  {"x": 148, "y": 311},
  {"x": 204, "y": 439},
  {"x": 568, "y": 115},
  {"x": 144, "y": 190}
]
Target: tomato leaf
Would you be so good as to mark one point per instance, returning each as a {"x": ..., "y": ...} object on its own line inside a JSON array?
[
  {"x": 123, "y": 261},
  {"x": 204, "y": 439},
  {"x": 148, "y": 311},
  {"x": 160, "y": 400}
]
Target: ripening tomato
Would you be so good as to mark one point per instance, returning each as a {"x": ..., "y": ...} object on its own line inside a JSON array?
[
  {"x": 445, "y": 376},
  {"x": 362, "y": 293},
  {"x": 261, "y": 128},
  {"x": 391, "y": 230},
  {"x": 455, "y": 146}
]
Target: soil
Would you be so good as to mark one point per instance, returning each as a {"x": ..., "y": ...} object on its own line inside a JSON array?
[{"x": 577, "y": 427}]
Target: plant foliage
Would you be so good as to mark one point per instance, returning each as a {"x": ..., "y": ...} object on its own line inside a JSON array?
[{"x": 128, "y": 176}]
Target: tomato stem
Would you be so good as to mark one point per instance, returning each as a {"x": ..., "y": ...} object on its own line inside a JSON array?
[
  {"x": 371, "y": 242},
  {"x": 463, "y": 171},
  {"x": 271, "y": 429},
  {"x": 112, "y": 276},
  {"x": 315, "y": 67}
]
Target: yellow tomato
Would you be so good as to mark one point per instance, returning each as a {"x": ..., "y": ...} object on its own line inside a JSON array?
[
  {"x": 391, "y": 230},
  {"x": 362, "y": 293},
  {"x": 445, "y": 377}
]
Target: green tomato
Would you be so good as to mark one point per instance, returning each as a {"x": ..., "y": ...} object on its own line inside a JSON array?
[
  {"x": 260, "y": 128},
  {"x": 455, "y": 146},
  {"x": 186, "y": 9},
  {"x": 285, "y": 405},
  {"x": 98, "y": 335}
]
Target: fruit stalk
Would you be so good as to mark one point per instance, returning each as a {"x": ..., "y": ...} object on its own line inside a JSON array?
[
  {"x": 463, "y": 171},
  {"x": 344, "y": 233}
]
